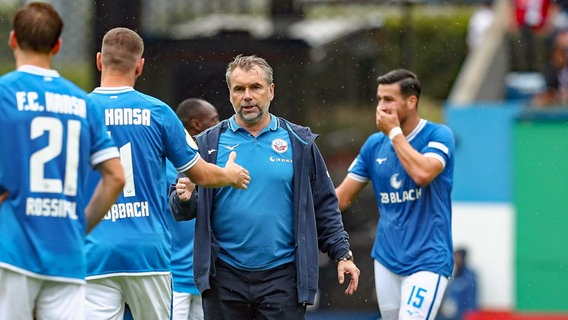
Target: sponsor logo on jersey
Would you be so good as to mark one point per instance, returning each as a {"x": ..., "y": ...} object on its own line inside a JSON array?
[
  {"x": 402, "y": 195},
  {"x": 274, "y": 159},
  {"x": 395, "y": 181}
]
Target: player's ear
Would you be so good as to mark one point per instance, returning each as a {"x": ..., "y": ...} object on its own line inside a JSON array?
[
  {"x": 12, "y": 40},
  {"x": 139, "y": 67},
  {"x": 56, "y": 47},
  {"x": 195, "y": 125},
  {"x": 99, "y": 60},
  {"x": 413, "y": 101}
]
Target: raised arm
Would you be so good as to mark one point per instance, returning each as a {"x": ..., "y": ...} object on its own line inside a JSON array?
[
  {"x": 420, "y": 168},
  {"x": 106, "y": 192}
]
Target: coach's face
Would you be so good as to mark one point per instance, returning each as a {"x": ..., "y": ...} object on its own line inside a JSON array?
[{"x": 250, "y": 96}]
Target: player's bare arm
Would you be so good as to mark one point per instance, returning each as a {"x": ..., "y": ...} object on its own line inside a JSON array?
[
  {"x": 212, "y": 176},
  {"x": 107, "y": 191},
  {"x": 420, "y": 168},
  {"x": 348, "y": 191}
]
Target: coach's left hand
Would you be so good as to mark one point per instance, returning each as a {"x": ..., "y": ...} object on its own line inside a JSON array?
[{"x": 348, "y": 267}]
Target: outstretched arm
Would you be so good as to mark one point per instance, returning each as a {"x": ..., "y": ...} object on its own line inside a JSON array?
[{"x": 212, "y": 176}]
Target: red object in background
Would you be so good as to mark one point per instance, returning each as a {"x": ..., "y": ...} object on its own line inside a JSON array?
[
  {"x": 531, "y": 13},
  {"x": 507, "y": 315}
]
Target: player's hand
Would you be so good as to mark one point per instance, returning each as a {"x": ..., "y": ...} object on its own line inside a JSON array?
[
  {"x": 386, "y": 119},
  {"x": 184, "y": 188},
  {"x": 241, "y": 177},
  {"x": 348, "y": 267}
]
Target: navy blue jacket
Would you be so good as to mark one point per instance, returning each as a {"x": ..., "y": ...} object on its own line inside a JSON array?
[{"x": 317, "y": 219}]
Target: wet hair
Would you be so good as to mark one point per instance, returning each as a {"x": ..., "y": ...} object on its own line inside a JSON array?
[
  {"x": 121, "y": 49},
  {"x": 247, "y": 63},
  {"x": 37, "y": 27},
  {"x": 407, "y": 80}
]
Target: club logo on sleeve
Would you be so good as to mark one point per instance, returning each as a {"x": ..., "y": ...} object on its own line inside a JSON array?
[
  {"x": 279, "y": 145},
  {"x": 190, "y": 140}
]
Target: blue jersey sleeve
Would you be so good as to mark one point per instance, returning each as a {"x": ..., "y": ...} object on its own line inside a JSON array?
[
  {"x": 360, "y": 169},
  {"x": 102, "y": 145},
  {"x": 179, "y": 146},
  {"x": 441, "y": 145}
]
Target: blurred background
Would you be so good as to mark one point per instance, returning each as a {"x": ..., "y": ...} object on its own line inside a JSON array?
[{"x": 494, "y": 71}]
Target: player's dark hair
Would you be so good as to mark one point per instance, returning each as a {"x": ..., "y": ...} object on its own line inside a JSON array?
[
  {"x": 37, "y": 27},
  {"x": 190, "y": 108},
  {"x": 407, "y": 80}
]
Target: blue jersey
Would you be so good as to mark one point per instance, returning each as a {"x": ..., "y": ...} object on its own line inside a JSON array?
[
  {"x": 51, "y": 136},
  {"x": 182, "y": 249},
  {"x": 414, "y": 230},
  {"x": 133, "y": 237},
  {"x": 255, "y": 227}
]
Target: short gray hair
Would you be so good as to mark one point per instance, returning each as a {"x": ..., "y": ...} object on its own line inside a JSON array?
[{"x": 247, "y": 63}]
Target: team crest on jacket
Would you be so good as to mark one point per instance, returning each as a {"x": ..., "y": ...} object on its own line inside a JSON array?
[{"x": 279, "y": 145}]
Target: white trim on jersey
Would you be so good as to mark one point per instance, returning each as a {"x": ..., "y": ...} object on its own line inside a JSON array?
[
  {"x": 436, "y": 156},
  {"x": 439, "y": 146},
  {"x": 357, "y": 177}
]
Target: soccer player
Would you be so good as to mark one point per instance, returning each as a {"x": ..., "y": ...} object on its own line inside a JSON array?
[
  {"x": 196, "y": 115},
  {"x": 51, "y": 137},
  {"x": 410, "y": 163},
  {"x": 256, "y": 251},
  {"x": 128, "y": 256}
]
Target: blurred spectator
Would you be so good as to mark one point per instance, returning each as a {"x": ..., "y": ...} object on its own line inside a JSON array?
[
  {"x": 461, "y": 294},
  {"x": 556, "y": 74},
  {"x": 479, "y": 23},
  {"x": 531, "y": 16},
  {"x": 559, "y": 14}
]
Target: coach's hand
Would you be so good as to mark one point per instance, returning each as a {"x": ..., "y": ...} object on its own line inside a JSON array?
[
  {"x": 348, "y": 267},
  {"x": 184, "y": 188}
]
